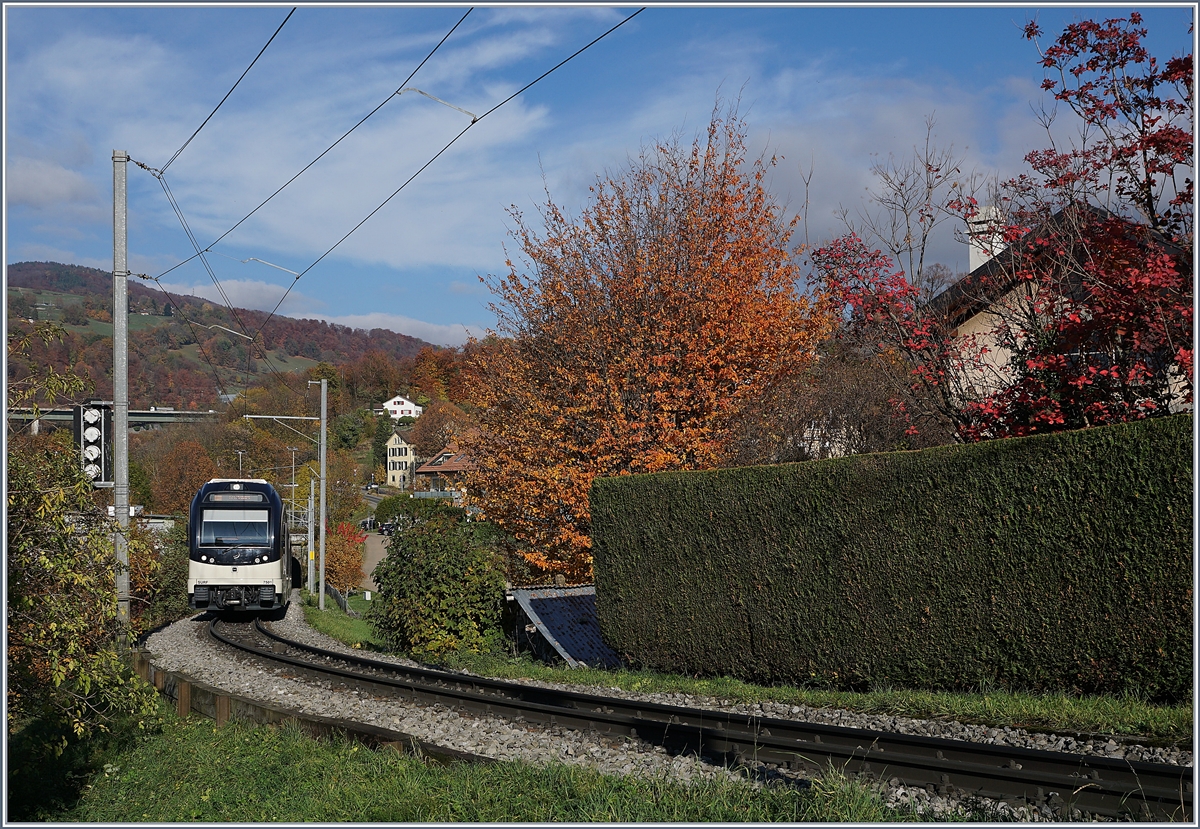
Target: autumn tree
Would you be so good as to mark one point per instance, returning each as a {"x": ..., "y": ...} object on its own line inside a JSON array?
[
  {"x": 180, "y": 475},
  {"x": 1097, "y": 244},
  {"x": 344, "y": 557},
  {"x": 438, "y": 425},
  {"x": 343, "y": 496},
  {"x": 632, "y": 338},
  {"x": 62, "y": 662},
  {"x": 1088, "y": 294}
]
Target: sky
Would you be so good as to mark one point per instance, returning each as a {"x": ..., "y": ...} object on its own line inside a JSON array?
[{"x": 829, "y": 91}]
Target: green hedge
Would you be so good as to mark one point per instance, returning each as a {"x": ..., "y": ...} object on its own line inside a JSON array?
[{"x": 1056, "y": 562}]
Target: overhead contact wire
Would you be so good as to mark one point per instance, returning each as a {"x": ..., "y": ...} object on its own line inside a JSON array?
[
  {"x": 159, "y": 174},
  {"x": 230, "y": 92},
  {"x": 162, "y": 180},
  {"x": 439, "y": 153},
  {"x": 330, "y": 147}
]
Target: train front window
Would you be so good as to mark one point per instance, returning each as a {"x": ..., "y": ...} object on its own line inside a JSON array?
[{"x": 235, "y": 528}]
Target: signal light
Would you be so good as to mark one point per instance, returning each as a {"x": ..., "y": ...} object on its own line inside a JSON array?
[{"x": 92, "y": 424}]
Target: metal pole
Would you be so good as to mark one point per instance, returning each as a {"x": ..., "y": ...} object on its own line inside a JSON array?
[
  {"x": 324, "y": 405},
  {"x": 311, "y": 487},
  {"x": 120, "y": 315},
  {"x": 292, "y": 513}
]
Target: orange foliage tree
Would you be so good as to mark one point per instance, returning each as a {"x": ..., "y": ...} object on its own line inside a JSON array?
[
  {"x": 634, "y": 338},
  {"x": 179, "y": 475},
  {"x": 344, "y": 557},
  {"x": 438, "y": 425}
]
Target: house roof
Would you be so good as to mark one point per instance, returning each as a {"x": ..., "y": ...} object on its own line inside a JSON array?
[
  {"x": 404, "y": 435},
  {"x": 447, "y": 462},
  {"x": 994, "y": 278}
]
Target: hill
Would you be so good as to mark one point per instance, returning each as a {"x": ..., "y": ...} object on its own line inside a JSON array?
[{"x": 176, "y": 357}]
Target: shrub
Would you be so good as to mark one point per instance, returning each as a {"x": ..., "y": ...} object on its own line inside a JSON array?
[
  {"x": 407, "y": 510},
  {"x": 63, "y": 662},
  {"x": 441, "y": 588}
]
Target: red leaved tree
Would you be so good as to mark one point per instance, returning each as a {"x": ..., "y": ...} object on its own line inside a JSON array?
[{"x": 1088, "y": 297}]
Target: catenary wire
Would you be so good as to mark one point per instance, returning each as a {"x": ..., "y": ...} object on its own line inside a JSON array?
[
  {"x": 230, "y": 92},
  {"x": 192, "y": 328},
  {"x": 439, "y": 152},
  {"x": 195, "y": 244},
  {"x": 212, "y": 275},
  {"x": 327, "y": 149}
]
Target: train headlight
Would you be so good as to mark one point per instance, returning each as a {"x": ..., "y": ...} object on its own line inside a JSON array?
[
  {"x": 204, "y": 558},
  {"x": 257, "y": 559}
]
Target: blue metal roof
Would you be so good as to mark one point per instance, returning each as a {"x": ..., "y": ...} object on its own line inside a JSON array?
[{"x": 566, "y": 617}]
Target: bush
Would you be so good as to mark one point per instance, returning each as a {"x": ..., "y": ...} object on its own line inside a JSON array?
[
  {"x": 63, "y": 662},
  {"x": 1059, "y": 562},
  {"x": 441, "y": 588},
  {"x": 407, "y": 510},
  {"x": 161, "y": 595}
]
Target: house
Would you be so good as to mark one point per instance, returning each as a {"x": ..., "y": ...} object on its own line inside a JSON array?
[
  {"x": 992, "y": 294},
  {"x": 400, "y": 406},
  {"x": 401, "y": 459},
  {"x": 446, "y": 469}
]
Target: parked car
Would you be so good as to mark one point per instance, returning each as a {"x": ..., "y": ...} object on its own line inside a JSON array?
[
  {"x": 367, "y": 523},
  {"x": 387, "y": 528}
]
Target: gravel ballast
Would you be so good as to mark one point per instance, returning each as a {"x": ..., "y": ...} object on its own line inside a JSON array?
[{"x": 185, "y": 648}]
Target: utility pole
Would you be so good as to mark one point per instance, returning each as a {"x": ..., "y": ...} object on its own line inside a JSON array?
[
  {"x": 292, "y": 511},
  {"x": 321, "y": 516},
  {"x": 240, "y": 452},
  {"x": 311, "y": 495},
  {"x": 120, "y": 315}
]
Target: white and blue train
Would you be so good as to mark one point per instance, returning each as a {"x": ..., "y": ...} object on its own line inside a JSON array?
[{"x": 239, "y": 557}]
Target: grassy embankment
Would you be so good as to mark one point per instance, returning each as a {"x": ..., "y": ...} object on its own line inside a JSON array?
[
  {"x": 259, "y": 773},
  {"x": 1126, "y": 716},
  {"x": 198, "y": 772}
]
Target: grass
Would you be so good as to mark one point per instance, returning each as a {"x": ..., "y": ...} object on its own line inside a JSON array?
[
  {"x": 357, "y": 633},
  {"x": 1122, "y": 716},
  {"x": 246, "y": 773}
]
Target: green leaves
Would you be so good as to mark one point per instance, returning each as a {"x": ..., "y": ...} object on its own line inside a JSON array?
[
  {"x": 1024, "y": 563},
  {"x": 441, "y": 587},
  {"x": 61, "y": 608}
]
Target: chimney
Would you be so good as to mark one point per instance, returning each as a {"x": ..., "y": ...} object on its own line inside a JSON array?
[{"x": 985, "y": 238}]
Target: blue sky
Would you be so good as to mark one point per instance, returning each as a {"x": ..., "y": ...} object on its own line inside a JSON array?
[{"x": 831, "y": 88}]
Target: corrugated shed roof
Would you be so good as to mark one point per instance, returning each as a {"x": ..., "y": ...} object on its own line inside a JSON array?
[{"x": 566, "y": 617}]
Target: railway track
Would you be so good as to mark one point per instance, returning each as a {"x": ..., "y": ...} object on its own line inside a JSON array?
[{"x": 1097, "y": 786}]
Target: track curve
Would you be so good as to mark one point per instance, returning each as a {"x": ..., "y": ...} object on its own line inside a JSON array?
[{"x": 1021, "y": 777}]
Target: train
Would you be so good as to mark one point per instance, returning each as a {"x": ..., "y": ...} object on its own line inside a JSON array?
[{"x": 238, "y": 547}]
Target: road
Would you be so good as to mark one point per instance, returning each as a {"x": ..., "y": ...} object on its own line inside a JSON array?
[{"x": 374, "y": 551}]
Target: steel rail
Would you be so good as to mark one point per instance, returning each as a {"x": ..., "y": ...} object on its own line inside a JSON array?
[{"x": 1098, "y": 785}]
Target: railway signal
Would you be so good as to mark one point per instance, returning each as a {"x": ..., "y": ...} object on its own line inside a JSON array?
[{"x": 93, "y": 423}]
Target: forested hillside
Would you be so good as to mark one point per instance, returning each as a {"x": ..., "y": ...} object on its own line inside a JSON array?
[{"x": 175, "y": 357}]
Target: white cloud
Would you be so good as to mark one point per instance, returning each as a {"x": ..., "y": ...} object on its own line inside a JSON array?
[
  {"x": 248, "y": 293},
  {"x": 454, "y": 335},
  {"x": 37, "y": 183}
]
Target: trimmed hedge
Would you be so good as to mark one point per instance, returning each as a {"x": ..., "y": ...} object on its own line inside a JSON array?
[{"x": 1055, "y": 562}]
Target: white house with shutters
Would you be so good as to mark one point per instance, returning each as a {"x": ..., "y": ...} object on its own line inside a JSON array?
[
  {"x": 400, "y": 406},
  {"x": 401, "y": 460}
]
